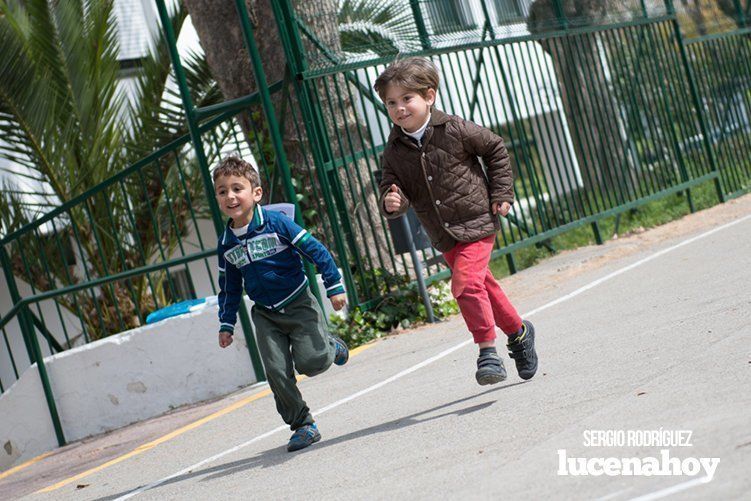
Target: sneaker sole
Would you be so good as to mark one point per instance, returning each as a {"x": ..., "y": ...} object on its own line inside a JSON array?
[
  {"x": 315, "y": 439},
  {"x": 528, "y": 375},
  {"x": 486, "y": 378}
]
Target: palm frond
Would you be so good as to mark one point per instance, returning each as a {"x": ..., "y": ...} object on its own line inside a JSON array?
[
  {"x": 375, "y": 26},
  {"x": 150, "y": 121}
]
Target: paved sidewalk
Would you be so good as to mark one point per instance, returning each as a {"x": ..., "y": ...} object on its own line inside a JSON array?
[{"x": 646, "y": 333}]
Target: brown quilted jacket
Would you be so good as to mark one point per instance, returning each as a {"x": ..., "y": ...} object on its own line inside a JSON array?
[{"x": 444, "y": 182}]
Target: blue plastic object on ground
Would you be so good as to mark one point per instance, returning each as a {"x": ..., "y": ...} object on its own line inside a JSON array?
[{"x": 174, "y": 310}]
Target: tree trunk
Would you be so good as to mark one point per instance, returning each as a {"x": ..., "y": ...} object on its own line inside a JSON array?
[
  {"x": 590, "y": 106},
  {"x": 220, "y": 34}
]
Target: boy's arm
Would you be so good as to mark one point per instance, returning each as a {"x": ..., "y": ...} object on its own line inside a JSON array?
[
  {"x": 230, "y": 293},
  {"x": 489, "y": 146},
  {"x": 315, "y": 252},
  {"x": 384, "y": 188}
]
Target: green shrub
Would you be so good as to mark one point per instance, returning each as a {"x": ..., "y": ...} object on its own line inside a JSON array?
[{"x": 403, "y": 309}]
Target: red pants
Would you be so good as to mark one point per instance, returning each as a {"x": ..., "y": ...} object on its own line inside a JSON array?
[{"x": 481, "y": 300}]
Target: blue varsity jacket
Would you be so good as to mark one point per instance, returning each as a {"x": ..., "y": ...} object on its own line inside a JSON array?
[{"x": 267, "y": 261}]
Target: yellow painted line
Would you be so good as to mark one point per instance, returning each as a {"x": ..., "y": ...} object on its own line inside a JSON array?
[
  {"x": 150, "y": 445},
  {"x": 20, "y": 467}
]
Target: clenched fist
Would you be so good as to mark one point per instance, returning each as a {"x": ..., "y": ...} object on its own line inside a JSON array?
[
  {"x": 339, "y": 301},
  {"x": 393, "y": 200},
  {"x": 225, "y": 339},
  {"x": 502, "y": 208}
]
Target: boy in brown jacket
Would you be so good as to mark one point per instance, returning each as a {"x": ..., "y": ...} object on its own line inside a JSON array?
[{"x": 430, "y": 163}]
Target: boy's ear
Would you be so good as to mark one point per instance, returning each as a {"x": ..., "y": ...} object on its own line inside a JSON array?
[{"x": 430, "y": 97}]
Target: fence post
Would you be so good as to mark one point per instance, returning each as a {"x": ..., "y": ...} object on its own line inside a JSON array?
[
  {"x": 274, "y": 128},
  {"x": 315, "y": 130},
  {"x": 560, "y": 14},
  {"x": 695, "y": 97},
  {"x": 15, "y": 296},
  {"x": 741, "y": 13},
  {"x": 208, "y": 184},
  {"x": 32, "y": 344},
  {"x": 28, "y": 331},
  {"x": 420, "y": 23}
]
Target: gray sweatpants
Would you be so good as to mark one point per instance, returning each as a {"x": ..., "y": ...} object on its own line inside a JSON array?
[{"x": 294, "y": 338}]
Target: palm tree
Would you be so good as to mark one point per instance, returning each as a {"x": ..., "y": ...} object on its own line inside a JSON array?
[
  {"x": 67, "y": 124},
  {"x": 385, "y": 28}
]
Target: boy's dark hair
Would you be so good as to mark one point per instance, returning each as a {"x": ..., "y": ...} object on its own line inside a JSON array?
[
  {"x": 414, "y": 73},
  {"x": 236, "y": 166}
]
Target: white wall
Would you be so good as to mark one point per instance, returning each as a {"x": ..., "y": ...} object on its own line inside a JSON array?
[
  {"x": 120, "y": 380},
  {"x": 25, "y": 428}
]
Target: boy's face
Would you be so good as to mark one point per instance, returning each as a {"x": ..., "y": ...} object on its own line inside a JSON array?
[
  {"x": 237, "y": 198},
  {"x": 407, "y": 108}
]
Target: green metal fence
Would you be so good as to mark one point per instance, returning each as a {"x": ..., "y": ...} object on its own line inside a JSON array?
[
  {"x": 721, "y": 66},
  {"x": 599, "y": 115},
  {"x": 100, "y": 263}
]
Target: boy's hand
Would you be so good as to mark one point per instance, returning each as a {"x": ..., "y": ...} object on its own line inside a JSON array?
[
  {"x": 339, "y": 301},
  {"x": 502, "y": 208},
  {"x": 225, "y": 339},
  {"x": 393, "y": 200}
]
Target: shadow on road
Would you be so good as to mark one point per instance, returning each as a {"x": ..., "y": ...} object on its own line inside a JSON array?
[{"x": 279, "y": 455}]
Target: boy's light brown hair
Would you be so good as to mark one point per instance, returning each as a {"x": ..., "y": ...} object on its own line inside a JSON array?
[
  {"x": 414, "y": 73},
  {"x": 236, "y": 166}
]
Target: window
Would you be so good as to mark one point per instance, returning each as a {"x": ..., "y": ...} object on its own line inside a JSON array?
[
  {"x": 449, "y": 16},
  {"x": 507, "y": 11}
]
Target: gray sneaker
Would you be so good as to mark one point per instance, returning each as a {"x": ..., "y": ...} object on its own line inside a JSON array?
[
  {"x": 521, "y": 347},
  {"x": 490, "y": 368}
]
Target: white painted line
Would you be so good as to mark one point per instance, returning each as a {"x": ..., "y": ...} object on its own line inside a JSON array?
[
  {"x": 285, "y": 427},
  {"x": 439, "y": 356},
  {"x": 635, "y": 265},
  {"x": 614, "y": 494},
  {"x": 672, "y": 490}
]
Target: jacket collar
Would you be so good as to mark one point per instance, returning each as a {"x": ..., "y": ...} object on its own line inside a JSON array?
[
  {"x": 437, "y": 117},
  {"x": 256, "y": 222}
]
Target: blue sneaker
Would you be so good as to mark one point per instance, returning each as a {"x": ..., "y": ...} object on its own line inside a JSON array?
[
  {"x": 303, "y": 437},
  {"x": 342, "y": 351}
]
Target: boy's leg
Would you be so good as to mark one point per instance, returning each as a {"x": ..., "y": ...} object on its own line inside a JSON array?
[
  {"x": 274, "y": 347},
  {"x": 469, "y": 263},
  {"x": 506, "y": 317},
  {"x": 313, "y": 348}
]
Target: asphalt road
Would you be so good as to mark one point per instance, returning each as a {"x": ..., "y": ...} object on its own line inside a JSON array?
[{"x": 655, "y": 342}]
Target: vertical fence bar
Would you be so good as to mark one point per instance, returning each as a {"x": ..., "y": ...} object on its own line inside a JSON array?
[
  {"x": 315, "y": 128},
  {"x": 695, "y": 98},
  {"x": 15, "y": 296},
  {"x": 195, "y": 136},
  {"x": 28, "y": 330},
  {"x": 420, "y": 23},
  {"x": 32, "y": 345},
  {"x": 272, "y": 123}
]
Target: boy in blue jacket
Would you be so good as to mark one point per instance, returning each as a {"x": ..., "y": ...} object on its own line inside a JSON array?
[{"x": 262, "y": 250}]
